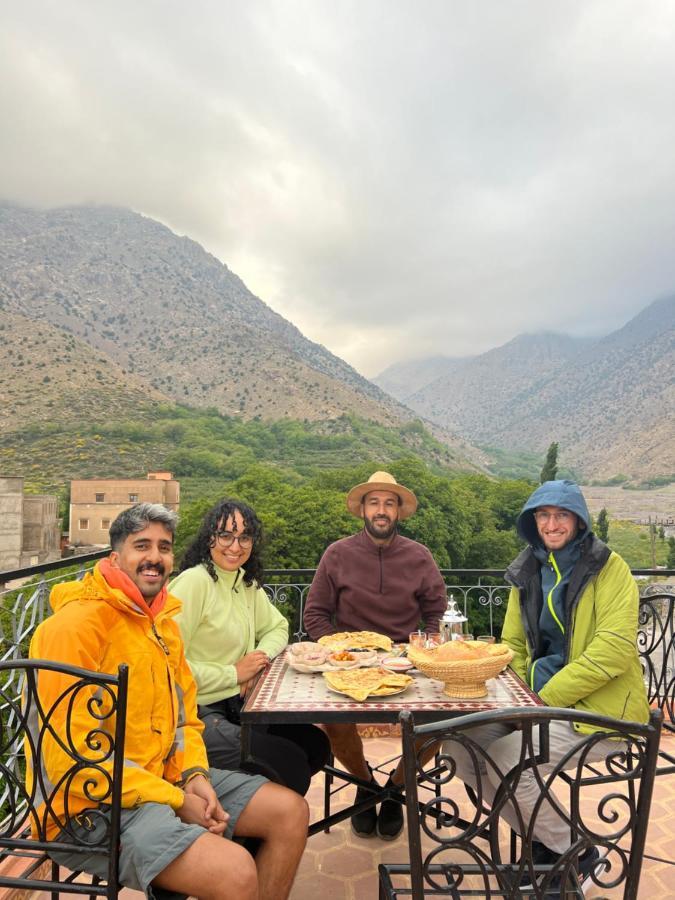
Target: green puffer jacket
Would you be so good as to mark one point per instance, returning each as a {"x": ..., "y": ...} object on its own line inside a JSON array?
[{"x": 602, "y": 672}]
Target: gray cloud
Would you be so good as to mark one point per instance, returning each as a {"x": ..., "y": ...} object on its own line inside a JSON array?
[{"x": 397, "y": 178}]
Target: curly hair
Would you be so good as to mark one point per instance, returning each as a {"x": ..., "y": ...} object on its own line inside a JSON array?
[{"x": 199, "y": 550}]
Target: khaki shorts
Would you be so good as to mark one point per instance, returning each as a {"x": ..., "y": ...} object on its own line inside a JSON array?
[{"x": 152, "y": 835}]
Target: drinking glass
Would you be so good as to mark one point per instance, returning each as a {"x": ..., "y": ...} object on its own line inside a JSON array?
[
  {"x": 417, "y": 639},
  {"x": 434, "y": 638},
  {"x": 486, "y": 638}
]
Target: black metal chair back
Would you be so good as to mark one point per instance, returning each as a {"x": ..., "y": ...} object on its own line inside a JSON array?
[
  {"x": 80, "y": 729},
  {"x": 656, "y": 646},
  {"x": 469, "y": 854}
]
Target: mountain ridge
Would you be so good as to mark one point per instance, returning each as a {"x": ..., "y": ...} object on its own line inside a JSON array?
[
  {"x": 169, "y": 321},
  {"x": 608, "y": 401}
]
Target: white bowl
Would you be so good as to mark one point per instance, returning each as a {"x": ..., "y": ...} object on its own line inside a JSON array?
[{"x": 396, "y": 663}]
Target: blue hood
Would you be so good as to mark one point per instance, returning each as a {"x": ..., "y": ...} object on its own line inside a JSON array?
[{"x": 552, "y": 493}]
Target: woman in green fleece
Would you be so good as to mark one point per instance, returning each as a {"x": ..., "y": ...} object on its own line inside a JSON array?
[{"x": 231, "y": 631}]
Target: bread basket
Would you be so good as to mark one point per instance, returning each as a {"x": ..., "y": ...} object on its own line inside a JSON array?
[{"x": 463, "y": 678}]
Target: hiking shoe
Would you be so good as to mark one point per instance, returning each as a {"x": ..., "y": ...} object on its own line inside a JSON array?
[
  {"x": 390, "y": 819},
  {"x": 364, "y": 823},
  {"x": 541, "y": 856},
  {"x": 589, "y": 861}
]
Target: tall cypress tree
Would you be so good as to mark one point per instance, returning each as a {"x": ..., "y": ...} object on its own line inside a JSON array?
[
  {"x": 550, "y": 469},
  {"x": 602, "y": 525}
]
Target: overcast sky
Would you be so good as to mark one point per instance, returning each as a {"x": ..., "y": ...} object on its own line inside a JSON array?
[{"x": 399, "y": 179}]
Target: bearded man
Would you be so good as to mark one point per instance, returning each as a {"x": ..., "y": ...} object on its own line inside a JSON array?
[
  {"x": 376, "y": 580},
  {"x": 178, "y": 816}
]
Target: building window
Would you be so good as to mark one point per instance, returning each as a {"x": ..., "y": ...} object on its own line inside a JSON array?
[
  {"x": 105, "y": 523},
  {"x": 100, "y": 498},
  {"x": 83, "y": 524},
  {"x": 133, "y": 498}
]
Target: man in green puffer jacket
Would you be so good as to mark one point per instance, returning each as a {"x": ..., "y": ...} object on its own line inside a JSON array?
[{"x": 571, "y": 622}]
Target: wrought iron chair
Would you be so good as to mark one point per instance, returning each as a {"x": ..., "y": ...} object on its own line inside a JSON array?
[
  {"x": 34, "y": 812},
  {"x": 656, "y": 646},
  {"x": 470, "y": 856}
]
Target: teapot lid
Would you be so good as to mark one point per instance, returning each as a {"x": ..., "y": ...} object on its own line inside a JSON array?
[{"x": 452, "y": 613}]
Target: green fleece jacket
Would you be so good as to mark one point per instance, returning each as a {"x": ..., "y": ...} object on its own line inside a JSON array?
[
  {"x": 220, "y": 622},
  {"x": 602, "y": 672}
]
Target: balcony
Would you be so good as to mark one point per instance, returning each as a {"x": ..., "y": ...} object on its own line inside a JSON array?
[{"x": 338, "y": 865}]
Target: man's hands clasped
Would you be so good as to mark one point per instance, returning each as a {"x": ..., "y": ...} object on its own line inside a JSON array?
[{"x": 202, "y": 807}]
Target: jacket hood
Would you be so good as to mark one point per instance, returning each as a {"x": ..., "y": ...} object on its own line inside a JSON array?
[
  {"x": 94, "y": 587},
  {"x": 566, "y": 494}
]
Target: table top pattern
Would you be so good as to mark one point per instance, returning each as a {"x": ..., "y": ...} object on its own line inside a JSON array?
[{"x": 306, "y": 697}]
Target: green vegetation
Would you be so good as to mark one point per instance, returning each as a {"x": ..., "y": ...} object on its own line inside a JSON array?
[
  {"x": 202, "y": 447},
  {"x": 550, "y": 468},
  {"x": 633, "y": 542},
  {"x": 466, "y": 521},
  {"x": 520, "y": 464},
  {"x": 652, "y": 484},
  {"x": 602, "y": 525}
]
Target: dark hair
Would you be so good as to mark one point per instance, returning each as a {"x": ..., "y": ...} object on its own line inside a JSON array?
[
  {"x": 199, "y": 550},
  {"x": 138, "y": 517}
]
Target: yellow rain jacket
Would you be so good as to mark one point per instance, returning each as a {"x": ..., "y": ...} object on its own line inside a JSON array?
[{"x": 98, "y": 627}]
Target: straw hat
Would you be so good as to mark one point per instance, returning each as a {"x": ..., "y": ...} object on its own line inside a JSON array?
[{"x": 382, "y": 481}]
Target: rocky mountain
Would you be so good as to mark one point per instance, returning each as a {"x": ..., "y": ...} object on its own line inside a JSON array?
[
  {"x": 610, "y": 403},
  {"x": 163, "y": 309},
  {"x": 405, "y": 379},
  {"x": 103, "y": 309}
]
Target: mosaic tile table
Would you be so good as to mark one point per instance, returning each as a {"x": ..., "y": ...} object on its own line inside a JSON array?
[{"x": 283, "y": 695}]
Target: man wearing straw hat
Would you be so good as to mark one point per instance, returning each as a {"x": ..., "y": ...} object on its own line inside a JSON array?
[{"x": 375, "y": 580}]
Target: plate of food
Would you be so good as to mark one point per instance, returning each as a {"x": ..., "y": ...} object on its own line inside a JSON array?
[
  {"x": 343, "y": 659},
  {"x": 360, "y": 684},
  {"x": 307, "y": 656},
  {"x": 356, "y": 640}
]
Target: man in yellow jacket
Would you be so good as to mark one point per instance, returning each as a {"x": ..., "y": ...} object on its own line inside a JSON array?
[{"x": 178, "y": 814}]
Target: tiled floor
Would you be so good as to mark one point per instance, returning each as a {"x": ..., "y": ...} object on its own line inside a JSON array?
[{"x": 340, "y": 866}]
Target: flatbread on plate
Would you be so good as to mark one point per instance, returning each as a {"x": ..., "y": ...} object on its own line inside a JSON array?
[
  {"x": 362, "y": 683},
  {"x": 368, "y": 640}
]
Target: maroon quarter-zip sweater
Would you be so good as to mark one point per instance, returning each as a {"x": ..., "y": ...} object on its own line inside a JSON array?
[{"x": 361, "y": 586}]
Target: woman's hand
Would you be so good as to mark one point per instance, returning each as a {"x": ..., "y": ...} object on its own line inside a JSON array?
[{"x": 249, "y": 665}]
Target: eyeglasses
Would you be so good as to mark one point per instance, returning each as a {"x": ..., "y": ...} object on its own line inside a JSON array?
[
  {"x": 227, "y": 538},
  {"x": 562, "y": 517}
]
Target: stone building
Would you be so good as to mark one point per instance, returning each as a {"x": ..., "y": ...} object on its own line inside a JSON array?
[
  {"x": 96, "y": 502},
  {"x": 30, "y": 531}
]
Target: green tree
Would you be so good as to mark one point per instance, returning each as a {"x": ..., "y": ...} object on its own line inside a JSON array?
[
  {"x": 602, "y": 525},
  {"x": 550, "y": 469},
  {"x": 671, "y": 553}
]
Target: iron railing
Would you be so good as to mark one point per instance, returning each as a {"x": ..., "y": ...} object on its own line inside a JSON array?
[{"x": 480, "y": 593}]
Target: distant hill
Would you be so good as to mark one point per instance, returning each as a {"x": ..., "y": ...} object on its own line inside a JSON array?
[
  {"x": 405, "y": 379},
  {"x": 163, "y": 309},
  {"x": 47, "y": 375},
  {"x": 610, "y": 403},
  {"x": 108, "y": 320}
]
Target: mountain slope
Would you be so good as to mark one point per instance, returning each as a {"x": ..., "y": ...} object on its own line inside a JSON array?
[
  {"x": 475, "y": 395},
  {"x": 610, "y": 403},
  {"x": 159, "y": 306},
  {"x": 405, "y": 379},
  {"x": 47, "y": 375}
]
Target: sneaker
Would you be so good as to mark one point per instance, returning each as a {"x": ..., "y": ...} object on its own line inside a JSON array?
[
  {"x": 541, "y": 856},
  {"x": 589, "y": 861},
  {"x": 364, "y": 823},
  {"x": 390, "y": 819}
]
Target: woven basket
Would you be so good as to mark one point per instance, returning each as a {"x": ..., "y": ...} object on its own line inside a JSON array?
[{"x": 463, "y": 678}]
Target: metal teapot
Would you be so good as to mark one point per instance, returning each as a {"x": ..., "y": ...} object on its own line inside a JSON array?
[{"x": 451, "y": 626}]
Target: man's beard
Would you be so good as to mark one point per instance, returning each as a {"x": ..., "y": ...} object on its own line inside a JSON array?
[{"x": 381, "y": 532}]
